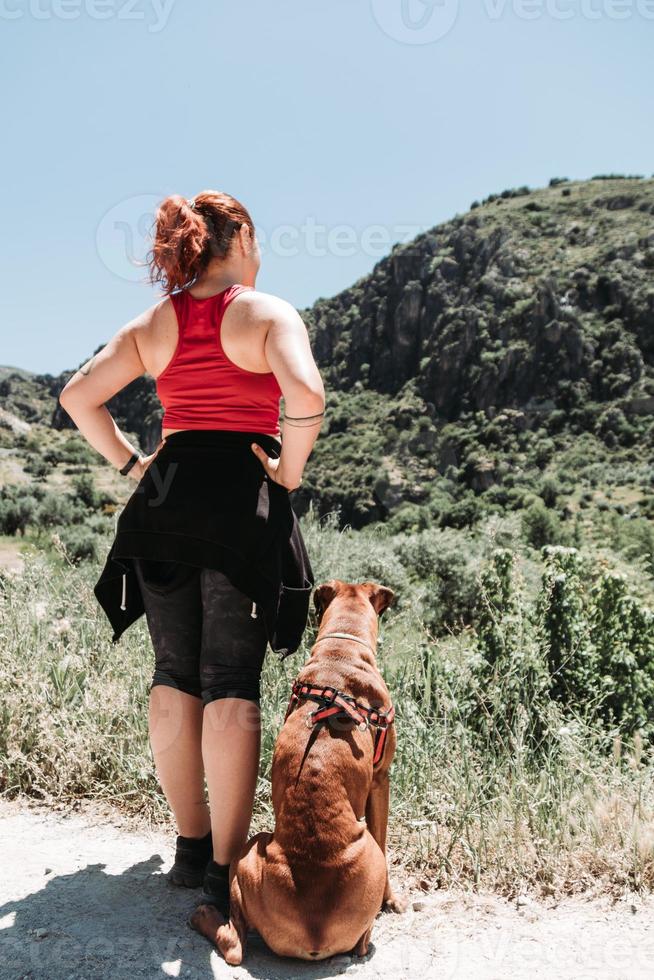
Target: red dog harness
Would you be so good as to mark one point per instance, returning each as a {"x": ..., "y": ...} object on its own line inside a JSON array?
[{"x": 333, "y": 702}]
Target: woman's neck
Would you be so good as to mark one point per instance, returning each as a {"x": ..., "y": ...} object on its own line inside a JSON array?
[{"x": 215, "y": 281}]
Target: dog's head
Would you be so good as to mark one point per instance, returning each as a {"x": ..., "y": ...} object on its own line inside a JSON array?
[{"x": 379, "y": 596}]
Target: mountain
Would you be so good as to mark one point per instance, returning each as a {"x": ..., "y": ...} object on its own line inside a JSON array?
[
  {"x": 528, "y": 301},
  {"x": 469, "y": 360}
]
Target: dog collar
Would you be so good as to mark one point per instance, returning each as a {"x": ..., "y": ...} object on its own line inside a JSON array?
[{"x": 347, "y": 636}]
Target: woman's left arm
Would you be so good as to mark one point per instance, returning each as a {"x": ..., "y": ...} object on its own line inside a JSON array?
[{"x": 105, "y": 374}]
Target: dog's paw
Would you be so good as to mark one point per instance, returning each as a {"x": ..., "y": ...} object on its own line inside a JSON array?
[
  {"x": 394, "y": 903},
  {"x": 207, "y": 920}
]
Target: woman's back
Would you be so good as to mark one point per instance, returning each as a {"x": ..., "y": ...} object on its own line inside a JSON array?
[
  {"x": 246, "y": 354},
  {"x": 200, "y": 385}
]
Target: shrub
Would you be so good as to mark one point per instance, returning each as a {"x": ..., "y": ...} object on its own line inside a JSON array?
[
  {"x": 613, "y": 427},
  {"x": 80, "y": 544},
  {"x": 447, "y": 576},
  {"x": 622, "y": 632},
  {"x": 541, "y": 526},
  {"x": 16, "y": 514},
  {"x": 85, "y": 491},
  {"x": 511, "y": 673},
  {"x": 462, "y": 513},
  {"x": 549, "y": 491},
  {"x": 562, "y": 627},
  {"x": 56, "y": 509},
  {"x": 37, "y": 467}
]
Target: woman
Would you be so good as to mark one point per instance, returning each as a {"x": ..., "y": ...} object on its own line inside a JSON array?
[{"x": 209, "y": 535}]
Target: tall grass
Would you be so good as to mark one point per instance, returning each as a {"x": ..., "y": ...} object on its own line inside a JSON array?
[{"x": 493, "y": 784}]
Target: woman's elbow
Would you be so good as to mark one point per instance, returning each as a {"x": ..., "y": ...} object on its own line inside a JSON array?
[
  {"x": 66, "y": 398},
  {"x": 306, "y": 399},
  {"x": 70, "y": 400}
]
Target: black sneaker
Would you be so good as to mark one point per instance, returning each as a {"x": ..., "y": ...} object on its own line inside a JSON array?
[
  {"x": 192, "y": 855},
  {"x": 215, "y": 887}
]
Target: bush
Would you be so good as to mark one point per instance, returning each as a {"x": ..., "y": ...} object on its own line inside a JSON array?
[
  {"x": 623, "y": 636},
  {"x": 447, "y": 576},
  {"x": 463, "y": 513},
  {"x": 56, "y": 509},
  {"x": 37, "y": 467},
  {"x": 80, "y": 544},
  {"x": 16, "y": 514},
  {"x": 549, "y": 491},
  {"x": 511, "y": 672},
  {"x": 614, "y": 428},
  {"x": 541, "y": 526},
  {"x": 85, "y": 491},
  {"x": 562, "y": 627}
]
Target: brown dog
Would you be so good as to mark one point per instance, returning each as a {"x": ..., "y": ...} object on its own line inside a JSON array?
[{"x": 313, "y": 887}]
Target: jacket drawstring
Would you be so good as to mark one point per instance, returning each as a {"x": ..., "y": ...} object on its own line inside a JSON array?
[
  {"x": 253, "y": 614},
  {"x": 123, "y": 603}
]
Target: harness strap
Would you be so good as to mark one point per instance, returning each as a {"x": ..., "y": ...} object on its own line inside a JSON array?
[{"x": 333, "y": 702}]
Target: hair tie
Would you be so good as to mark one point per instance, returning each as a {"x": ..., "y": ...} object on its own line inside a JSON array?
[{"x": 191, "y": 204}]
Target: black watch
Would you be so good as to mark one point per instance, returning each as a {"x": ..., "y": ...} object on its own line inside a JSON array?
[{"x": 130, "y": 463}]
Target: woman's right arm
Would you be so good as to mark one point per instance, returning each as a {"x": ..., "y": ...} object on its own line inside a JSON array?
[{"x": 289, "y": 356}]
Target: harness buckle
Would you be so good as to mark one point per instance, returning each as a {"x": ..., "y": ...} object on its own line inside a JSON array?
[{"x": 364, "y": 725}]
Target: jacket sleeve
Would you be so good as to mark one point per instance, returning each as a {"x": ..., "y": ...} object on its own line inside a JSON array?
[{"x": 117, "y": 587}]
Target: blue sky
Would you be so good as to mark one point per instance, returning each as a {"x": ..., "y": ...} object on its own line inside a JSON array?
[{"x": 344, "y": 125}]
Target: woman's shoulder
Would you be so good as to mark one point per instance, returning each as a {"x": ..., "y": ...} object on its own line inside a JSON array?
[
  {"x": 161, "y": 310},
  {"x": 158, "y": 322},
  {"x": 265, "y": 306}
]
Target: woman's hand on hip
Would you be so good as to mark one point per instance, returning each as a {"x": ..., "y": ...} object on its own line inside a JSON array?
[
  {"x": 273, "y": 468},
  {"x": 143, "y": 463}
]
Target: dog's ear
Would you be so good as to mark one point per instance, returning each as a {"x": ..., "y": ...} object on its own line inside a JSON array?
[
  {"x": 380, "y": 596},
  {"x": 323, "y": 595}
]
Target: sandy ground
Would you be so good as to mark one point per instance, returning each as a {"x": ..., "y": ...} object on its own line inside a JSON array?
[{"x": 83, "y": 895}]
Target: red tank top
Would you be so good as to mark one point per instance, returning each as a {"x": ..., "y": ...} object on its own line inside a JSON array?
[{"x": 200, "y": 387}]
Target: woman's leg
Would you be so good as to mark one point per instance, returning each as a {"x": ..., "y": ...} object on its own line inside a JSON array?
[
  {"x": 171, "y": 596},
  {"x": 233, "y": 650},
  {"x": 231, "y": 739},
  {"x": 175, "y": 721}
]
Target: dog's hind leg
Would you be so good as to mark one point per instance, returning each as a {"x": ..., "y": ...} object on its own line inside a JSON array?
[{"x": 377, "y": 821}]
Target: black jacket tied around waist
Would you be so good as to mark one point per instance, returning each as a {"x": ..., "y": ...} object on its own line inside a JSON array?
[{"x": 207, "y": 501}]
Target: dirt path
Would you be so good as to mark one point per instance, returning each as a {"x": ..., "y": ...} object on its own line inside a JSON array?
[{"x": 83, "y": 895}]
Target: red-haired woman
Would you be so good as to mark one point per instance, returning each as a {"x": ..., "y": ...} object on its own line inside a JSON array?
[{"x": 208, "y": 545}]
